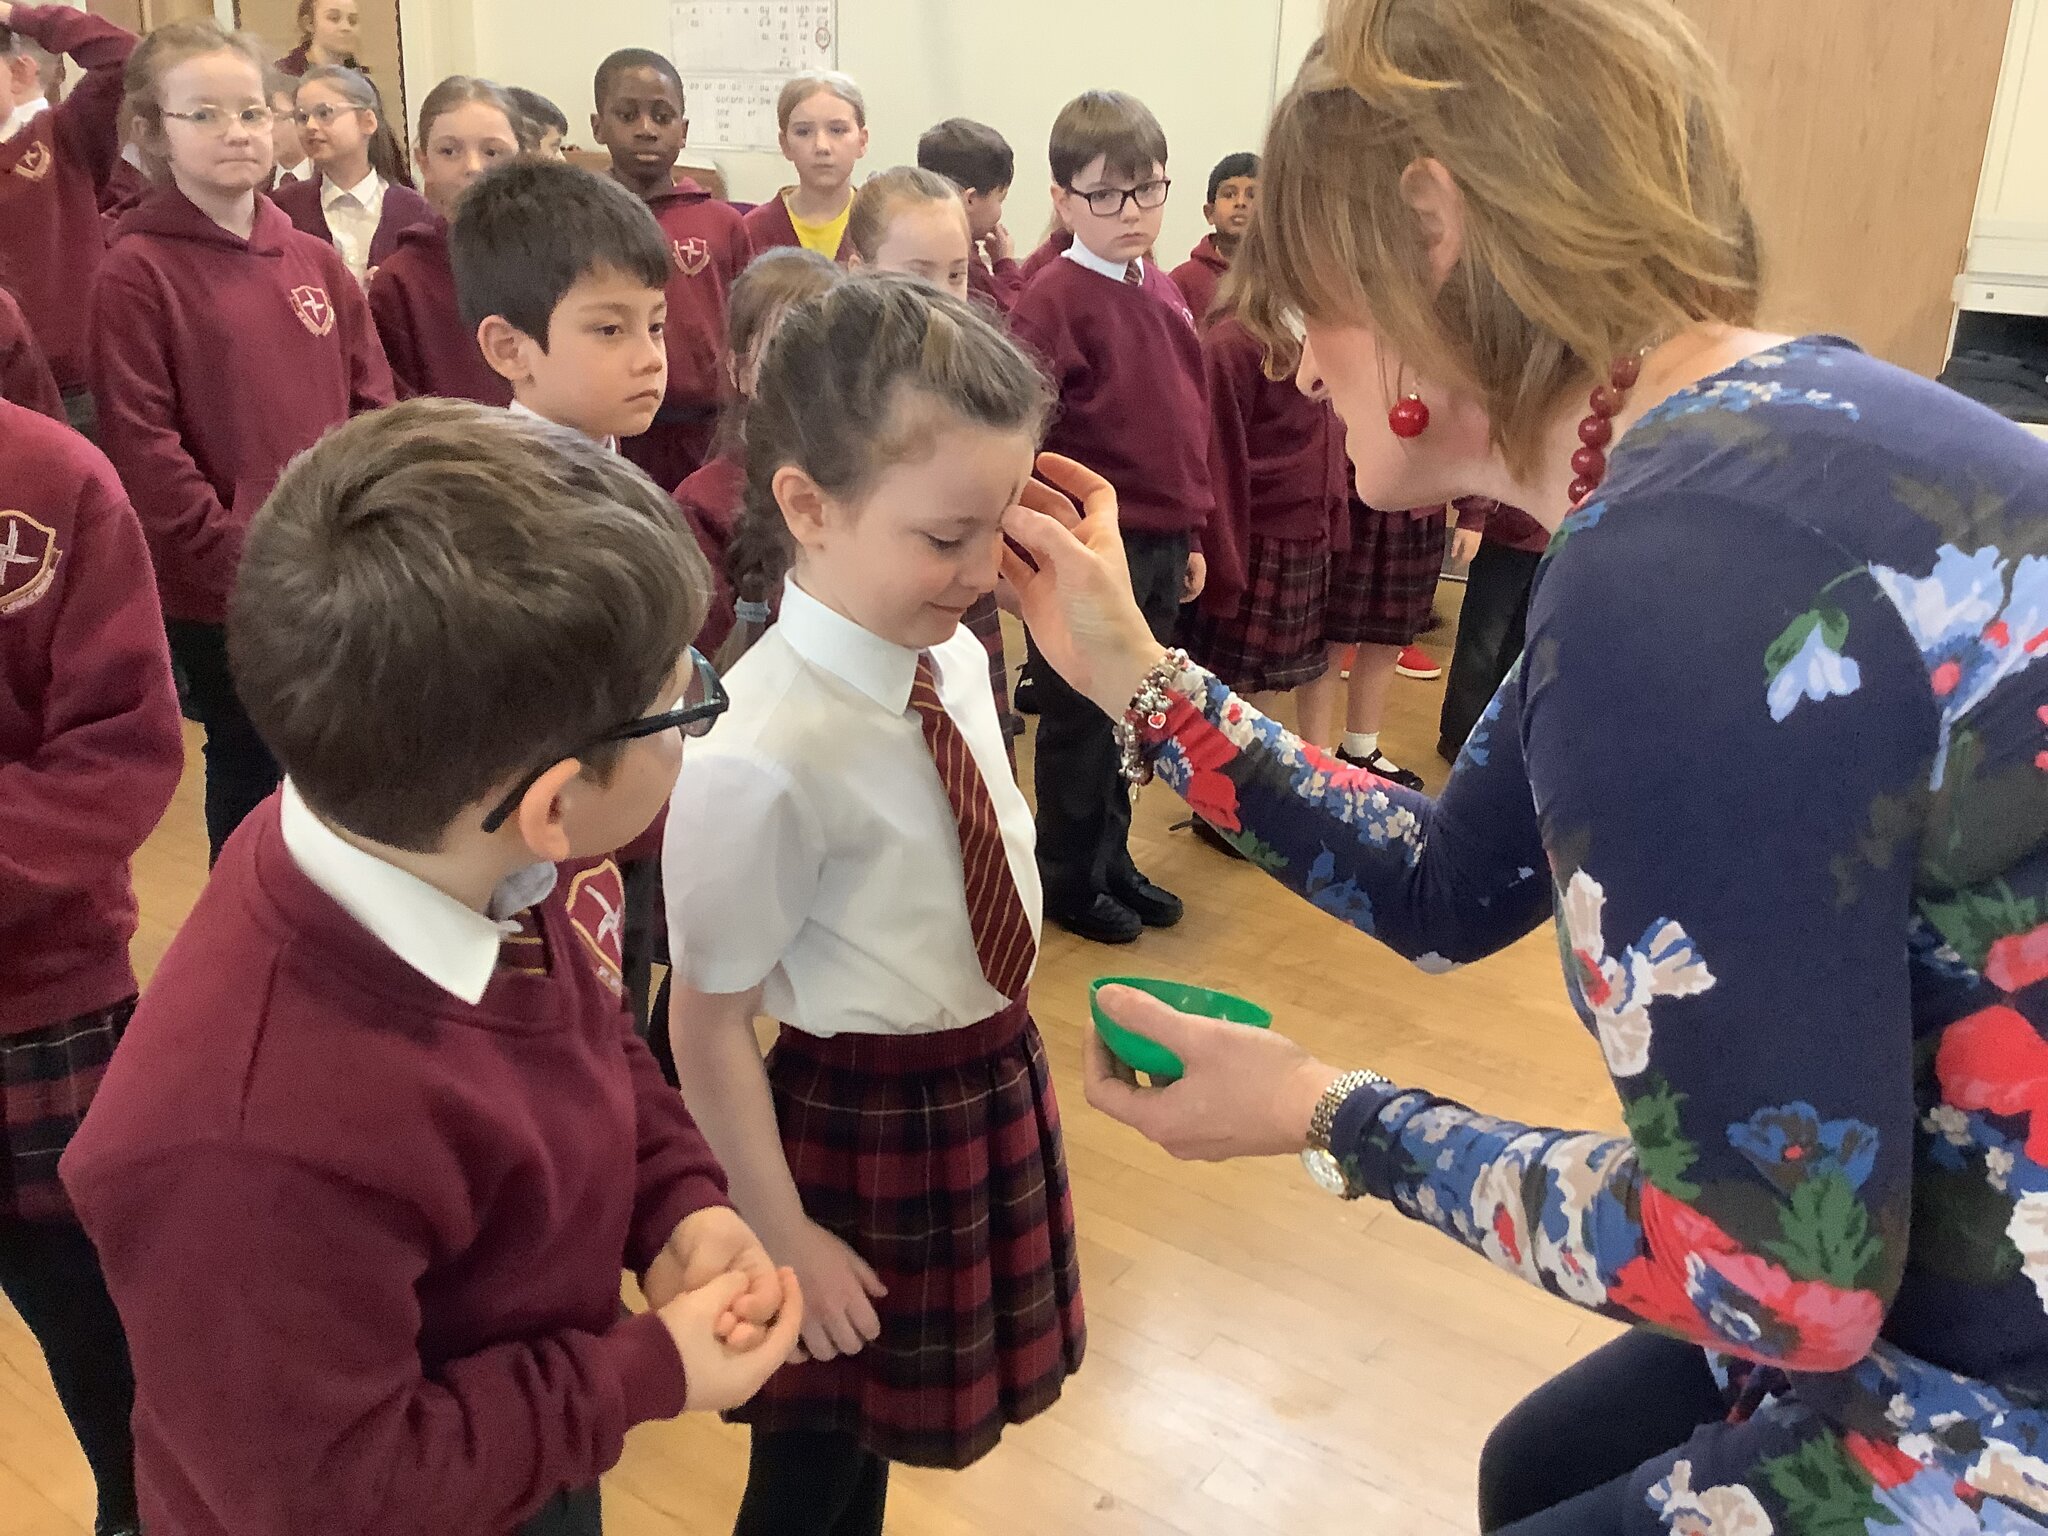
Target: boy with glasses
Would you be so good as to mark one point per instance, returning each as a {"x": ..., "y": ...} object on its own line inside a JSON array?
[
  {"x": 1117, "y": 339},
  {"x": 378, "y": 1143}
]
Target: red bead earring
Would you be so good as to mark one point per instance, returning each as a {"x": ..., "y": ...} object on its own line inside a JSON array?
[{"x": 1410, "y": 416}]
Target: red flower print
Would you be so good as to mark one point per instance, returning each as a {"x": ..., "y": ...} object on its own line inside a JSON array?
[
  {"x": 1945, "y": 678},
  {"x": 1997, "y": 635},
  {"x": 1210, "y": 792},
  {"x": 1888, "y": 1466},
  {"x": 2018, "y": 960},
  {"x": 1994, "y": 1060}
]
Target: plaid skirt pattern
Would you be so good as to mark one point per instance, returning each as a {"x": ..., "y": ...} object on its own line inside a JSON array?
[
  {"x": 1383, "y": 588},
  {"x": 47, "y": 1079},
  {"x": 937, "y": 1158},
  {"x": 1275, "y": 639},
  {"x": 985, "y": 622}
]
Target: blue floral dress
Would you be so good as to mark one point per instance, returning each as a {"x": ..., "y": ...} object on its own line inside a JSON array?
[{"x": 1775, "y": 767}]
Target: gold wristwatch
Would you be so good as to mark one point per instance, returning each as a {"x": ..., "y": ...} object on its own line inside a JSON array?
[{"x": 1321, "y": 1163}]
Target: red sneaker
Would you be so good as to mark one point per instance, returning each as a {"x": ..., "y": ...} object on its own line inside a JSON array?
[{"x": 1416, "y": 662}]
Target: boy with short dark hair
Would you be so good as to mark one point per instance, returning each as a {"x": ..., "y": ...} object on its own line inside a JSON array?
[
  {"x": 1233, "y": 194},
  {"x": 563, "y": 275},
  {"x": 549, "y": 123},
  {"x": 979, "y": 161},
  {"x": 1119, "y": 343},
  {"x": 640, "y": 119},
  {"x": 380, "y": 1138}
]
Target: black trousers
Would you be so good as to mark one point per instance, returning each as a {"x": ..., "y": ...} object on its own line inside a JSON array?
[
  {"x": 1560, "y": 1463},
  {"x": 1084, "y": 805},
  {"x": 575, "y": 1512},
  {"x": 52, "y": 1276},
  {"x": 1490, "y": 629},
  {"x": 240, "y": 772},
  {"x": 810, "y": 1483}
]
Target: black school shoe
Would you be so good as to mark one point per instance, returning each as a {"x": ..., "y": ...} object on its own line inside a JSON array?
[
  {"x": 1379, "y": 764},
  {"x": 1156, "y": 906},
  {"x": 1105, "y": 920}
]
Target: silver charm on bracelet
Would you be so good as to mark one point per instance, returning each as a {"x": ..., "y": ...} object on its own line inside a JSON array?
[{"x": 1146, "y": 711}]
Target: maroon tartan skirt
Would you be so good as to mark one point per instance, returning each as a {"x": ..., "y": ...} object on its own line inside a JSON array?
[
  {"x": 985, "y": 622},
  {"x": 1275, "y": 639},
  {"x": 47, "y": 1079},
  {"x": 1383, "y": 588},
  {"x": 937, "y": 1158}
]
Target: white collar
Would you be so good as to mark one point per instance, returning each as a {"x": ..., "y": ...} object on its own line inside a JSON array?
[
  {"x": 365, "y": 192},
  {"x": 451, "y": 945},
  {"x": 881, "y": 669},
  {"x": 300, "y": 172},
  {"x": 24, "y": 114},
  {"x": 1115, "y": 271},
  {"x": 521, "y": 408}
]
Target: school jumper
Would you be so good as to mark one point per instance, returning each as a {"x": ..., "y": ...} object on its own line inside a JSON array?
[
  {"x": 770, "y": 226},
  {"x": 1200, "y": 276},
  {"x": 25, "y": 376},
  {"x": 419, "y": 322},
  {"x": 400, "y": 209}
]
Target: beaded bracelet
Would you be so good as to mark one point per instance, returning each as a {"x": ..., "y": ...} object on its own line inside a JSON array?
[{"x": 1146, "y": 711}]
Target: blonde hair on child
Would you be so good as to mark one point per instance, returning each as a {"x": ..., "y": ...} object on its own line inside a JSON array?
[
  {"x": 163, "y": 50},
  {"x": 819, "y": 82},
  {"x": 1603, "y": 204},
  {"x": 460, "y": 91},
  {"x": 884, "y": 193}
]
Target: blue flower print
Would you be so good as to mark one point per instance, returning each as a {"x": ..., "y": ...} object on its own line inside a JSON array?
[
  {"x": 1807, "y": 663},
  {"x": 1341, "y": 898},
  {"x": 1791, "y": 1144}
]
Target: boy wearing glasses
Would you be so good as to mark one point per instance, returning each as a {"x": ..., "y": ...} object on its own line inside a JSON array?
[
  {"x": 1117, "y": 339},
  {"x": 54, "y": 163},
  {"x": 379, "y": 1141}
]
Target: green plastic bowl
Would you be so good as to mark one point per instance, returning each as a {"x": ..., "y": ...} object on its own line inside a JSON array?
[{"x": 1141, "y": 1053}]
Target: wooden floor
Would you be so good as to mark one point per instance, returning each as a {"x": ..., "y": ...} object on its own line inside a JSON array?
[{"x": 1262, "y": 1359}]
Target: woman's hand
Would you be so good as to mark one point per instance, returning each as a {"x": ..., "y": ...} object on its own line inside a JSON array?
[
  {"x": 1077, "y": 603},
  {"x": 1246, "y": 1093}
]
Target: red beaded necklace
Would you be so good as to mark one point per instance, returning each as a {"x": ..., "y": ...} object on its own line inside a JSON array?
[{"x": 1589, "y": 460}]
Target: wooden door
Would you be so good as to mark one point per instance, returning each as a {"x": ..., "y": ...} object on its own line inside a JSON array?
[{"x": 276, "y": 21}]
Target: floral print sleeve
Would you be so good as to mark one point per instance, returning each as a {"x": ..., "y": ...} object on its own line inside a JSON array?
[{"x": 1775, "y": 763}]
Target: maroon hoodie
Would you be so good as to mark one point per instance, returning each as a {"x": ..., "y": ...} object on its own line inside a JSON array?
[
  {"x": 998, "y": 285},
  {"x": 1127, "y": 363},
  {"x": 412, "y": 299},
  {"x": 1276, "y": 463},
  {"x": 215, "y": 360},
  {"x": 1200, "y": 276},
  {"x": 1056, "y": 245},
  {"x": 710, "y": 501},
  {"x": 403, "y": 209},
  {"x": 90, "y": 745},
  {"x": 51, "y": 177},
  {"x": 25, "y": 376},
  {"x": 365, "y": 1237},
  {"x": 769, "y": 226},
  {"x": 709, "y": 248}
]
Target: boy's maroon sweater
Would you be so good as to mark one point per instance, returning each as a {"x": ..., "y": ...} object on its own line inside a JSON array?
[{"x": 365, "y": 1237}]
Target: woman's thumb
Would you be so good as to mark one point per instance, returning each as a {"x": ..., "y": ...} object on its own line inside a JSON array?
[
  {"x": 1147, "y": 1015},
  {"x": 1042, "y": 537}
]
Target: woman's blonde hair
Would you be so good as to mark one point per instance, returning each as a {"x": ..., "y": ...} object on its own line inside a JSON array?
[
  {"x": 819, "y": 82},
  {"x": 163, "y": 50},
  {"x": 879, "y": 198},
  {"x": 1603, "y": 204}
]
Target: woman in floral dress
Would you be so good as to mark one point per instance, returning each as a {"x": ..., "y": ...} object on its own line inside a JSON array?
[{"x": 1774, "y": 764}]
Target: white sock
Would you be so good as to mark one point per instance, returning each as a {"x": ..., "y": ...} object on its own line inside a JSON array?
[{"x": 1361, "y": 743}]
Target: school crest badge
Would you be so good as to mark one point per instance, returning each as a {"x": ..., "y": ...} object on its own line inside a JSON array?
[
  {"x": 28, "y": 561},
  {"x": 596, "y": 906},
  {"x": 35, "y": 162},
  {"x": 692, "y": 255},
  {"x": 314, "y": 309}
]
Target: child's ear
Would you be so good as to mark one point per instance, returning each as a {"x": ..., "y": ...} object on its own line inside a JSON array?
[
  {"x": 597, "y": 126},
  {"x": 504, "y": 347},
  {"x": 542, "y": 814},
  {"x": 802, "y": 503},
  {"x": 685, "y": 140},
  {"x": 1209, "y": 212}
]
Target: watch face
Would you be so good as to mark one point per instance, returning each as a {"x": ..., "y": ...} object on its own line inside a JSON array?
[{"x": 1323, "y": 1168}]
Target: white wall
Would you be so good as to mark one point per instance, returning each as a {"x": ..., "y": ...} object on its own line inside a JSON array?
[{"x": 1206, "y": 67}]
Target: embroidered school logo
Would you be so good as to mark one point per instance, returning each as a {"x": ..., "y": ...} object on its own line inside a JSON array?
[
  {"x": 597, "y": 911},
  {"x": 312, "y": 306},
  {"x": 35, "y": 162},
  {"x": 692, "y": 255},
  {"x": 28, "y": 561}
]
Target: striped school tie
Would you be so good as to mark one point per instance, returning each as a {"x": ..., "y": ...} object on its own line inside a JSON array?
[{"x": 1002, "y": 931}]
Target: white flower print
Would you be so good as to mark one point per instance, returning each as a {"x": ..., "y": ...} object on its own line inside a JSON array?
[
  {"x": 1498, "y": 1212},
  {"x": 1618, "y": 989},
  {"x": 1952, "y": 1125},
  {"x": 1728, "y": 1511},
  {"x": 2028, "y": 1230},
  {"x": 1998, "y": 1167},
  {"x": 1816, "y": 671},
  {"x": 2006, "y": 1472},
  {"x": 1580, "y": 1168}
]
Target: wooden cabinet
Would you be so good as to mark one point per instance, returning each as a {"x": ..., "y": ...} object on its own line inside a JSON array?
[{"x": 2007, "y": 267}]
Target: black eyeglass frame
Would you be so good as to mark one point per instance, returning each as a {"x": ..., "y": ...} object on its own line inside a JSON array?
[
  {"x": 692, "y": 719},
  {"x": 1124, "y": 197}
]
